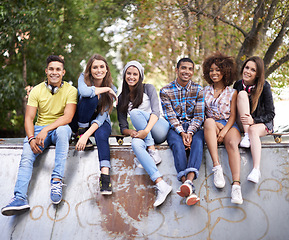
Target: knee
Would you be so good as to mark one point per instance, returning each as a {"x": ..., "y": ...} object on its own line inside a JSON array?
[
  {"x": 63, "y": 132},
  {"x": 242, "y": 95},
  {"x": 231, "y": 144},
  {"x": 134, "y": 112},
  {"x": 252, "y": 132},
  {"x": 209, "y": 123},
  {"x": 137, "y": 143},
  {"x": 26, "y": 162}
]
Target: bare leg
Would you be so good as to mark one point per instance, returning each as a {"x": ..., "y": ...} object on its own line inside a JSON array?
[
  {"x": 231, "y": 141},
  {"x": 210, "y": 133},
  {"x": 105, "y": 170},
  {"x": 243, "y": 106},
  {"x": 255, "y": 132}
]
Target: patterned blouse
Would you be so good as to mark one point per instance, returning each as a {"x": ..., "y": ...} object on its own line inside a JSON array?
[{"x": 218, "y": 108}]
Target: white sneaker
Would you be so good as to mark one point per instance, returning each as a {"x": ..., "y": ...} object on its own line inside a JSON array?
[
  {"x": 163, "y": 190},
  {"x": 254, "y": 176},
  {"x": 245, "y": 143},
  {"x": 155, "y": 155},
  {"x": 219, "y": 179},
  {"x": 236, "y": 194}
]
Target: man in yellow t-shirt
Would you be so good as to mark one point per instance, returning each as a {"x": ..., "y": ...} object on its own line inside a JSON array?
[{"x": 55, "y": 102}]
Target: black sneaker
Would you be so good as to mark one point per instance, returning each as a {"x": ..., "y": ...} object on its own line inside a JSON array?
[
  {"x": 105, "y": 184},
  {"x": 89, "y": 144}
]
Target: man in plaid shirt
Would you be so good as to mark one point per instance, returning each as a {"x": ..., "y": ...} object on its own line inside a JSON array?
[{"x": 183, "y": 107}]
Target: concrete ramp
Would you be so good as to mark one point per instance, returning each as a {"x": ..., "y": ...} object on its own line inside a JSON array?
[{"x": 129, "y": 214}]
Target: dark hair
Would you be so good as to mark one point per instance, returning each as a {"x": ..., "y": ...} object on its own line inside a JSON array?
[
  {"x": 54, "y": 58},
  {"x": 259, "y": 80},
  {"x": 136, "y": 94},
  {"x": 226, "y": 64},
  {"x": 105, "y": 102},
  {"x": 185, "y": 60}
]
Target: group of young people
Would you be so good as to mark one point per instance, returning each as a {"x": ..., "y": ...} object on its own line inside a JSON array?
[{"x": 191, "y": 115}]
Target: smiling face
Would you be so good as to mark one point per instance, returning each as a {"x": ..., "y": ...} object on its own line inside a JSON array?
[
  {"x": 184, "y": 73},
  {"x": 55, "y": 72},
  {"x": 98, "y": 70},
  {"x": 250, "y": 73},
  {"x": 215, "y": 73},
  {"x": 132, "y": 76}
]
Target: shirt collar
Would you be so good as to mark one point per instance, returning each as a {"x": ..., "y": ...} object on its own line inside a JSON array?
[{"x": 179, "y": 87}]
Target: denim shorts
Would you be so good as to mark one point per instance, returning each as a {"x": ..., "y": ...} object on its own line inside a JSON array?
[{"x": 224, "y": 122}]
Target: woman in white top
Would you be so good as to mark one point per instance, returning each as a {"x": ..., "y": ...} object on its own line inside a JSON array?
[{"x": 141, "y": 102}]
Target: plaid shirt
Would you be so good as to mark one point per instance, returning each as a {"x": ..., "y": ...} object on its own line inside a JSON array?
[{"x": 183, "y": 105}]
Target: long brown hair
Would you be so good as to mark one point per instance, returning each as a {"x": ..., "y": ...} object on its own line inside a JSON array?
[
  {"x": 105, "y": 102},
  {"x": 259, "y": 80}
]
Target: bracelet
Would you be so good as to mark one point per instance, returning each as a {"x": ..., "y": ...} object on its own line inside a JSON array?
[
  {"x": 236, "y": 181},
  {"x": 30, "y": 139}
]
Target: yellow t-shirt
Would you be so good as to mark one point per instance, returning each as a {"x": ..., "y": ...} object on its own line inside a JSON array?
[{"x": 51, "y": 107}]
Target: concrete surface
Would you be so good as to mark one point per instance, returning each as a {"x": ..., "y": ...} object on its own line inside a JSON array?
[{"x": 129, "y": 214}]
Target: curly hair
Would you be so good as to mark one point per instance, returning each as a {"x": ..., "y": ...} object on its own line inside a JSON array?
[{"x": 226, "y": 64}]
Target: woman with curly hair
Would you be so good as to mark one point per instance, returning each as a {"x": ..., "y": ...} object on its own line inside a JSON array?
[
  {"x": 256, "y": 109},
  {"x": 219, "y": 71}
]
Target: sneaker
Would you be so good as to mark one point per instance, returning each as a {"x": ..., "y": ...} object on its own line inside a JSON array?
[
  {"x": 236, "y": 194},
  {"x": 56, "y": 191},
  {"x": 155, "y": 155},
  {"x": 186, "y": 189},
  {"x": 89, "y": 144},
  {"x": 163, "y": 190},
  {"x": 138, "y": 164},
  {"x": 192, "y": 199},
  {"x": 105, "y": 184},
  {"x": 219, "y": 179},
  {"x": 15, "y": 207},
  {"x": 245, "y": 143},
  {"x": 254, "y": 176}
]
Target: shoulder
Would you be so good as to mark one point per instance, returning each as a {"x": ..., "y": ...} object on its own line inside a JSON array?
[
  {"x": 267, "y": 84},
  {"x": 148, "y": 87},
  {"x": 169, "y": 86},
  {"x": 38, "y": 88},
  {"x": 237, "y": 84},
  {"x": 69, "y": 86},
  {"x": 267, "y": 87},
  {"x": 196, "y": 85}
]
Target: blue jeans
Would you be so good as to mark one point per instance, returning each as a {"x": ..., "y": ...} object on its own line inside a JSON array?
[
  {"x": 101, "y": 136},
  {"x": 84, "y": 115},
  {"x": 157, "y": 135},
  {"x": 60, "y": 137},
  {"x": 159, "y": 132},
  {"x": 182, "y": 164}
]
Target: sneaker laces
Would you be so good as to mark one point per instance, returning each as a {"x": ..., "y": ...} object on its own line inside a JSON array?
[
  {"x": 236, "y": 192},
  {"x": 56, "y": 188},
  {"x": 12, "y": 200},
  {"x": 218, "y": 172}
]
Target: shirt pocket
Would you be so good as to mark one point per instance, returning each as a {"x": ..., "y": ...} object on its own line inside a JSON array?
[
  {"x": 190, "y": 106},
  {"x": 177, "y": 108}
]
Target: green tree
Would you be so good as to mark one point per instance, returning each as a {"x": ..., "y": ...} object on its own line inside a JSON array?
[
  {"x": 32, "y": 30},
  {"x": 159, "y": 32}
]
